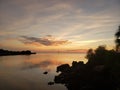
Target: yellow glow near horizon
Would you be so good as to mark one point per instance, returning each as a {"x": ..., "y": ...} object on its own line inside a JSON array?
[{"x": 56, "y": 25}]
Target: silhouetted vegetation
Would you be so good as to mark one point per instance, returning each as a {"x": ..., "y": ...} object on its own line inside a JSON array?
[
  {"x": 6, "y": 52},
  {"x": 101, "y": 72},
  {"x": 118, "y": 40}
]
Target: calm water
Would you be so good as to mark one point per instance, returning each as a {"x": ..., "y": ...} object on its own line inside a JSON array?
[{"x": 24, "y": 72}]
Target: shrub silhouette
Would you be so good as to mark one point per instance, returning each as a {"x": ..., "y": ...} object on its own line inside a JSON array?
[
  {"x": 117, "y": 41},
  {"x": 101, "y": 72}
]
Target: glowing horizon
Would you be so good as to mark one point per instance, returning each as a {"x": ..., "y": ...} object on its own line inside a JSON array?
[{"x": 70, "y": 25}]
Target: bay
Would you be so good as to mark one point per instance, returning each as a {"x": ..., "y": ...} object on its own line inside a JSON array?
[{"x": 25, "y": 72}]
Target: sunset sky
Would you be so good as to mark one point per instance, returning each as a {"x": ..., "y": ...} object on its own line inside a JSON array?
[{"x": 58, "y": 25}]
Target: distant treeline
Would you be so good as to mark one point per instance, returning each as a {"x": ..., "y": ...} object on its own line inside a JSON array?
[{"x": 7, "y": 52}]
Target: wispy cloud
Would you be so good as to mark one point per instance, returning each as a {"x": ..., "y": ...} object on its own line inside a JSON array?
[
  {"x": 48, "y": 40},
  {"x": 74, "y": 20}
]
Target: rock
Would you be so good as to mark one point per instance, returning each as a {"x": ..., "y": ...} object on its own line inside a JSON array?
[
  {"x": 63, "y": 68},
  {"x": 50, "y": 83},
  {"x": 45, "y": 72}
]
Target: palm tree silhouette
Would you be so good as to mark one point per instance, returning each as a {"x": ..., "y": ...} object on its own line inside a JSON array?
[{"x": 117, "y": 34}]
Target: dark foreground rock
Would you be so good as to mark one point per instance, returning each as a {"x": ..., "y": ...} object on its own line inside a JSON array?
[
  {"x": 50, "y": 83},
  {"x": 101, "y": 72},
  {"x": 45, "y": 72}
]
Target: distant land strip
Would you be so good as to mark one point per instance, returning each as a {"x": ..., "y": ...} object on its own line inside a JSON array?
[{"x": 7, "y": 52}]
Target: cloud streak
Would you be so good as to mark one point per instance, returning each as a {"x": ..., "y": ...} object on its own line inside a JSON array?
[
  {"x": 74, "y": 20},
  {"x": 48, "y": 40}
]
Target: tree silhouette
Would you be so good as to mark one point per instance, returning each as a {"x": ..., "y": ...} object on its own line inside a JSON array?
[
  {"x": 117, "y": 41},
  {"x": 101, "y": 72},
  {"x": 90, "y": 53}
]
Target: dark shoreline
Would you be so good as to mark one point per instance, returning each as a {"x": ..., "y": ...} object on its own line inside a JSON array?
[
  {"x": 10, "y": 53},
  {"x": 16, "y": 54},
  {"x": 101, "y": 72}
]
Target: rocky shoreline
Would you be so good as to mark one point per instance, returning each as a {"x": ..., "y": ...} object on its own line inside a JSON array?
[{"x": 101, "y": 72}]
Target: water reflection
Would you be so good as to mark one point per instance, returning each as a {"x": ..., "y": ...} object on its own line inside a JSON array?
[
  {"x": 26, "y": 72},
  {"x": 44, "y": 65}
]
